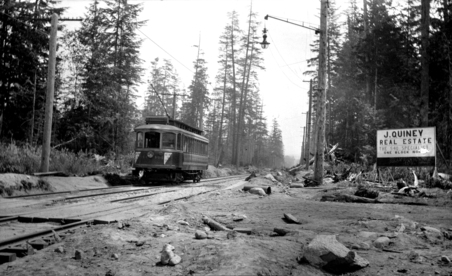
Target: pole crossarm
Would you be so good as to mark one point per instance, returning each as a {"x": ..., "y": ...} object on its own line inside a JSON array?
[{"x": 317, "y": 30}]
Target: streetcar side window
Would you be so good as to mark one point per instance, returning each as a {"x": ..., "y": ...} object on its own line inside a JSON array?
[
  {"x": 168, "y": 140},
  {"x": 152, "y": 140},
  {"x": 185, "y": 143},
  {"x": 139, "y": 139},
  {"x": 179, "y": 141}
]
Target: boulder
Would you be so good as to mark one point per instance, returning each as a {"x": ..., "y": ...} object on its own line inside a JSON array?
[
  {"x": 325, "y": 252},
  {"x": 291, "y": 219},
  {"x": 200, "y": 235},
  {"x": 257, "y": 191},
  {"x": 433, "y": 235},
  {"x": 381, "y": 242},
  {"x": 445, "y": 259},
  {"x": 168, "y": 257},
  {"x": 270, "y": 177}
]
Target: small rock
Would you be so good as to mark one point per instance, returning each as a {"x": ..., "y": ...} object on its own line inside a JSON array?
[
  {"x": 381, "y": 242},
  {"x": 437, "y": 272},
  {"x": 297, "y": 185},
  {"x": 200, "y": 235},
  {"x": 402, "y": 270},
  {"x": 281, "y": 231},
  {"x": 110, "y": 273},
  {"x": 367, "y": 235},
  {"x": 206, "y": 229},
  {"x": 291, "y": 219},
  {"x": 140, "y": 243},
  {"x": 445, "y": 259},
  {"x": 115, "y": 256},
  {"x": 170, "y": 227},
  {"x": 56, "y": 237},
  {"x": 415, "y": 257},
  {"x": 59, "y": 249},
  {"x": 120, "y": 225},
  {"x": 243, "y": 230},
  {"x": 78, "y": 254},
  {"x": 430, "y": 229},
  {"x": 361, "y": 246},
  {"x": 183, "y": 222},
  {"x": 126, "y": 224},
  {"x": 238, "y": 218},
  {"x": 231, "y": 235},
  {"x": 400, "y": 228}
]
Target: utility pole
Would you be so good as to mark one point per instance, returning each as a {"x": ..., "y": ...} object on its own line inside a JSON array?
[
  {"x": 303, "y": 145},
  {"x": 303, "y": 142},
  {"x": 320, "y": 137},
  {"x": 49, "y": 98},
  {"x": 308, "y": 156}
]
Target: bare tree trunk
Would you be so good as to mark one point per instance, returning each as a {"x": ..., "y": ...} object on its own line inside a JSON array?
[
  {"x": 425, "y": 23},
  {"x": 448, "y": 133},
  {"x": 234, "y": 91},
  {"x": 238, "y": 131},
  {"x": 242, "y": 112},
  {"x": 220, "y": 131}
]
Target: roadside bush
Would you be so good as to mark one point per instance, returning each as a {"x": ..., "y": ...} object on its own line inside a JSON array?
[
  {"x": 26, "y": 159},
  {"x": 15, "y": 159},
  {"x": 44, "y": 185}
]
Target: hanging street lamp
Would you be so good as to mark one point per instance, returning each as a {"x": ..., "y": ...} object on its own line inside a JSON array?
[{"x": 264, "y": 42}]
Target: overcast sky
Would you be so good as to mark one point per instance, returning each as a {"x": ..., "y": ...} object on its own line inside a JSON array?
[{"x": 176, "y": 25}]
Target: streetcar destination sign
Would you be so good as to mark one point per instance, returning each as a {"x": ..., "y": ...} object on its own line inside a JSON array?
[{"x": 406, "y": 147}]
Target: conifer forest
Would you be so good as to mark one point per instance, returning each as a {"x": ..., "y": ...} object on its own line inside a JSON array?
[{"x": 388, "y": 66}]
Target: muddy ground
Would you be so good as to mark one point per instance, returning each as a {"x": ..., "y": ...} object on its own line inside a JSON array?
[{"x": 135, "y": 249}]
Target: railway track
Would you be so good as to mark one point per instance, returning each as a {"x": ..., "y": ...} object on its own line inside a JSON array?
[{"x": 23, "y": 245}]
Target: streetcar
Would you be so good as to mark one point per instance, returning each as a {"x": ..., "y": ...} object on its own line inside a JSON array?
[{"x": 168, "y": 150}]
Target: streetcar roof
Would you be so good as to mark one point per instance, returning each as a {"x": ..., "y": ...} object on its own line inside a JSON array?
[{"x": 170, "y": 128}]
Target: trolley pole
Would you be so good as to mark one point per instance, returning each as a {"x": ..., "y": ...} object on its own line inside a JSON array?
[
  {"x": 45, "y": 155},
  {"x": 320, "y": 137}
]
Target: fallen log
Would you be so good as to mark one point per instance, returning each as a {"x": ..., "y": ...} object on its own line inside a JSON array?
[
  {"x": 348, "y": 198},
  {"x": 214, "y": 225},
  {"x": 357, "y": 199}
]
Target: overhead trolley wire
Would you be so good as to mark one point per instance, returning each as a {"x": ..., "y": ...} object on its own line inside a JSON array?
[
  {"x": 165, "y": 51},
  {"x": 274, "y": 44}
]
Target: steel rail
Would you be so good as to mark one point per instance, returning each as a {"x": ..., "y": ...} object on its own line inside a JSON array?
[
  {"x": 4, "y": 244},
  {"x": 68, "y": 192}
]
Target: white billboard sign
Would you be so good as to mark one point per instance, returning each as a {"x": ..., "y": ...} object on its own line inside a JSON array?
[{"x": 406, "y": 147}]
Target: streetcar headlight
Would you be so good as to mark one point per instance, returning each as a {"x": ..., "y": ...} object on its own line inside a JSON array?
[{"x": 150, "y": 154}]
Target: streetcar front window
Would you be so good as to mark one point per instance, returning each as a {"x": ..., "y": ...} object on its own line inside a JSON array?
[
  {"x": 152, "y": 139},
  {"x": 139, "y": 139},
  {"x": 168, "y": 140}
]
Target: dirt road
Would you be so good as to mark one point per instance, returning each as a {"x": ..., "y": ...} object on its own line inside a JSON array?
[{"x": 136, "y": 249}]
